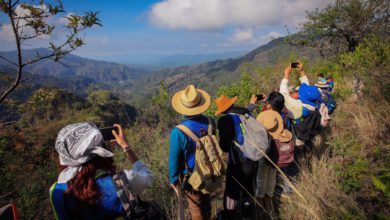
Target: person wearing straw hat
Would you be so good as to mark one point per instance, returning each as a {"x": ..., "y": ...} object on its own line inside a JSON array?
[
  {"x": 266, "y": 174},
  {"x": 240, "y": 171},
  {"x": 190, "y": 103}
]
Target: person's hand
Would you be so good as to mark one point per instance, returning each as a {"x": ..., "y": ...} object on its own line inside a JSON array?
[
  {"x": 120, "y": 138},
  {"x": 300, "y": 66},
  {"x": 175, "y": 188},
  {"x": 287, "y": 71},
  {"x": 253, "y": 99}
]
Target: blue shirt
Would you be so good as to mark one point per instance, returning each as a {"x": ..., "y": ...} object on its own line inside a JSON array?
[
  {"x": 109, "y": 205},
  {"x": 182, "y": 148}
]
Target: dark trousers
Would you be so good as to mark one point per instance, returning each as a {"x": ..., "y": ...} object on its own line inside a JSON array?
[{"x": 240, "y": 179}]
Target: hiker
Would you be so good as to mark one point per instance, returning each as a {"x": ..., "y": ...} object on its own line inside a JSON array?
[
  {"x": 184, "y": 164},
  {"x": 282, "y": 156},
  {"x": 296, "y": 108},
  {"x": 88, "y": 187},
  {"x": 241, "y": 171},
  {"x": 330, "y": 82},
  {"x": 321, "y": 78}
]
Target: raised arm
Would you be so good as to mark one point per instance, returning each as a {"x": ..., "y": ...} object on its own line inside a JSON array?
[
  {"x": 140, "y": 176},
  {"x": 303, "y": 78},
  {"x": 284, "y": 84}
]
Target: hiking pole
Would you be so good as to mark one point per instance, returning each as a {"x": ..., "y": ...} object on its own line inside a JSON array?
[{"x": 180, "y": 204}]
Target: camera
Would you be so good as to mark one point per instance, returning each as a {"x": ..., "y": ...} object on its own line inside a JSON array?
[
  {"x": 107, "y": 133},
  {"x": 294, "y": 65}
]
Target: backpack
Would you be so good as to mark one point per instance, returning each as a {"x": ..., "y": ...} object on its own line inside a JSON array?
[
  {"x": 253, "y": 139},
  {"x": 134, "y": 207},
  {"x": 285, "y": 153},
  {"x": 329, "y": 101},
  {"x": 207, "y": 175}
]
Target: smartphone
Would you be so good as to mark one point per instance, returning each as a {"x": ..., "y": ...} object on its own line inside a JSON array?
[
  {"x": 260, "y": 97},
  {"x": 107, "y": 133},
  {"x": 294, "y": 65}
]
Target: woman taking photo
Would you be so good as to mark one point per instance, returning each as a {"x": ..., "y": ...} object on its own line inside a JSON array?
[{"x": 87, "y": 185}]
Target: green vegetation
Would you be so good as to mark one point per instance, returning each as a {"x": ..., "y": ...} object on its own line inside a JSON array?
[{"x": 351, "y": 181}]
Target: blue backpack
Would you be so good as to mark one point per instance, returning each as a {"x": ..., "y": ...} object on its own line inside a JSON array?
[{"x": 329, "y": 101}]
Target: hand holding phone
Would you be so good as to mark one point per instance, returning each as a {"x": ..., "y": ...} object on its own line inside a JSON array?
[
  {"x": 260, "y": 97},
  {"x": 294, "y": 65},
  {"x": 107, "y": 133}
]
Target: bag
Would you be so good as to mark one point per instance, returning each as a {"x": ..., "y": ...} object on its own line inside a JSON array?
[
  {"x": 207, "y": 175},
  {"x": 285, "y": 153},
  {"x": 134, "y": 207},
  {"x": 329, "y": 101},
  {"x": 253, "y": 138}
]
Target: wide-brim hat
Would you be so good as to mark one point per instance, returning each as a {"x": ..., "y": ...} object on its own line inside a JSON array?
[
  {"x": 293, "y": 89},
  {"x": 223, "y": 103},
  {"x": 273, "y": 122},
  {"x": 321, "y": 84},
  {"x": 191, "y": 101}
]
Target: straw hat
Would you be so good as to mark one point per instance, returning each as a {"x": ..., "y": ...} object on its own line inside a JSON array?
[
  {"x": 273, "y": 122},
  {"x": 321, "y": 84},
  {"x": 223, "y": 103},
  {"x": 191, "y": 101}
]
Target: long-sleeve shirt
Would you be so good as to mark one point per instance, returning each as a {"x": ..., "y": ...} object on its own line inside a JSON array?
[
  {"x": 109, "y": 205},
  {"x": 294, "y": 106},
  {"x": 182, "y": 148},
  {"x": 139, "y": 177}
]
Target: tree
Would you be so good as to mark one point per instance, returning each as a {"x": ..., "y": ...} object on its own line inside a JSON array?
[
  {"x": 341, "y": 26},
  {"x": 30, "y": 21}
]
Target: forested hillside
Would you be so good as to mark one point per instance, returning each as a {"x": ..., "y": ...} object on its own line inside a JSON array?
[{"x": 348, "y": 176}]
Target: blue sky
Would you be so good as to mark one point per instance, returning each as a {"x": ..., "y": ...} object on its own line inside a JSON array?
[{"x": 134, "y": 29}]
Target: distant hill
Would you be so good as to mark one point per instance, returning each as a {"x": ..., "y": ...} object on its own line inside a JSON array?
[
  {"x": 77, "y": 73},
  {"x": 210, "y": 75},
  {"x": 72, "y": 66}
]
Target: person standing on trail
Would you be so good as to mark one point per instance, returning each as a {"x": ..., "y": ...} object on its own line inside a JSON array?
[
  {"x": 241, "y": 171},
  {"x": 293, "y": 102},
  {"x": 190, "y": 103},
  {"x": 266, "y": 175},
  {"x": 87, "y": 186}
]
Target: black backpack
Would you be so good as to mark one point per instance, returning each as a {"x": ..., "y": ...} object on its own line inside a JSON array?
[{"x": 134, "y": 207}]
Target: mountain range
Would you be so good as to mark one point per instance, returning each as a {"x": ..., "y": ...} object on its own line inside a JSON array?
[{"x": 76, "y": 73}]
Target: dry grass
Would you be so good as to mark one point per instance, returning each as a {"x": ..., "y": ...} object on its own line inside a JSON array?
[{"x": 323, "y": 196}]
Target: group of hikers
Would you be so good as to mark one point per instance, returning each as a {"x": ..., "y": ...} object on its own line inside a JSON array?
[{"x": 259, "y": 150}]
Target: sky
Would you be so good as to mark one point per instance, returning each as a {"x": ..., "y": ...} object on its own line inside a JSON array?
[{"x": 147, "y": 29}]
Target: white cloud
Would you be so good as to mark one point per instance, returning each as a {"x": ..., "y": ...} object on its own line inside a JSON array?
[
  {"x": 242, "y": 36},
  {"x": 7, "y": 35},
  {"x": 216, "y": 14},
  {"x": 249, "y": 37}
]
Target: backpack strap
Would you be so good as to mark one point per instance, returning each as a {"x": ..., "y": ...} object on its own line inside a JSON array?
[
  {"x": 52, "y": 200},
  {"x": 210, "y": 127},
  {"x": 123, "y": 192},
  {"x": 191, "y": 134},
  {"x": 188, "y": 132}
]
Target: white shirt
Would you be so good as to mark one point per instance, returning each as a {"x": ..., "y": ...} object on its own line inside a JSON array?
[
  {"x": 140, "y": 177},
  {"x": 294, "y": 106}
]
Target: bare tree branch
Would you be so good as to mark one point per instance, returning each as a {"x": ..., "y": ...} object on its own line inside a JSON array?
[{"x": 9, "y": 61}]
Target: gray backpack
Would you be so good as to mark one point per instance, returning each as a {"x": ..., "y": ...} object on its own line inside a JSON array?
[{"x": 255, "y": 142}]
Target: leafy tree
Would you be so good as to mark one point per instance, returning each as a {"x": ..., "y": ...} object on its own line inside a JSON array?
[
  {"x": 342, "y": 26},
  {"x": 30, "y": 21}
]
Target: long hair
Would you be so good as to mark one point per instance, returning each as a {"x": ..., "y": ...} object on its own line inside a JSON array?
[{"x": 82, "y": 187}]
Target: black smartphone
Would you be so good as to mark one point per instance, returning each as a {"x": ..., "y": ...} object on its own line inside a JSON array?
[
  {"x": 294, "y": 65},
  {"x": 107, "y": 133},
  {"x": 260, "y": 97}
]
